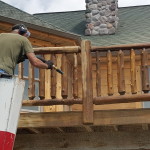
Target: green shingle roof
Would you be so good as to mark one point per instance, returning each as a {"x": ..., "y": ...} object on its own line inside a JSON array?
[
  {"x": 134, "y": 25},
  {"x": 9, "y": 12}
]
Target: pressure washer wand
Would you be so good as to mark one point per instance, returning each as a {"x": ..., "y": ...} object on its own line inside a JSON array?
[{"x": 44, "y": 61}]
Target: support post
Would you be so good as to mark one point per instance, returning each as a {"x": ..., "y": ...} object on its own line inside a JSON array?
[
  {"x": 11, "y": 95},
  {"x": 120, "y": 73},
  {"x": 110, "y": 74},
  {"x": 133, "y": 73},
  {"x": 87, "y": 87},
  {"x": 145, "y": 72},
  {"x": 98, "y": 74},
  {"x": 65, "y": 76}
]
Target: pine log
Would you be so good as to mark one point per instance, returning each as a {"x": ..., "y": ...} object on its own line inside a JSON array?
[
  {"x": 98, "y": 74},
  {"x": 53, "y": 78},
  {"x": 42, "y": 83},
  {"x": 87, "y": 86},
  {"x": 65, "y": 76},
  {"x": 20, "y": 70},
  {"x": 110, "y": 74},
  {"x": 133, "y": 73},
  {"x": 145, "y": 72},
  {"x": 120, "y": 73},
  {"x": 31, "y": 86},
  {"x": 75, "y": 77}
]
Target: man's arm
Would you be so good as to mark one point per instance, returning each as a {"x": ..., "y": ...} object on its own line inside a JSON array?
[{"x": 36, "y": 62}]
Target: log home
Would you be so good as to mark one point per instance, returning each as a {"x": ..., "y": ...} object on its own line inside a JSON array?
[{"x": 100, "y": 101}]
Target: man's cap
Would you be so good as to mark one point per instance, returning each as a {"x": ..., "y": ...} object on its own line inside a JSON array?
[
  {"x": 22, "y": 29},
  {"x": 18, "y": 26}
]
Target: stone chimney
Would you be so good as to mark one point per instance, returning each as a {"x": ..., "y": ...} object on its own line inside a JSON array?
[{"x": 101, "y": 17}]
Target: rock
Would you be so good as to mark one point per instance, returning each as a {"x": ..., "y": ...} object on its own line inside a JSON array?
[
  {"x": 87, "y": 32},
  {"x": 103, "y": 31}
]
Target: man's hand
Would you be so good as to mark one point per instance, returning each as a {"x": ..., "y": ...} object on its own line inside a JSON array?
[{"x": 50, "y": 64}]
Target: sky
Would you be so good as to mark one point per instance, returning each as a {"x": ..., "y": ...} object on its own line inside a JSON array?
[{"x": 43, "y": 6}]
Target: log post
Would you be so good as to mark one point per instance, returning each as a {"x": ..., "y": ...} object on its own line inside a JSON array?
[
  {"x": 53, "y": 78},
  {"x": 110, "y": 74},
  {"x": 31, "y": 88},
  {"x": 75, "y": 77},
  {"x": 133, "y": 73},
  {"x": 42, "y": 83},
  {"x": 47, "y": 84},
  {"x": 87, "y": 87},
  {"x": 98, "y": 74},
  {"x": 145, "y": 72},
  {"x": 120, "y": 73},
  {"x": 20, "y": 70},
  {"x": 65, "y": 76}
]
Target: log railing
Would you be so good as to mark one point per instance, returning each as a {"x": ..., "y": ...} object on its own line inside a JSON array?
[{"x": 92, "y": 75}]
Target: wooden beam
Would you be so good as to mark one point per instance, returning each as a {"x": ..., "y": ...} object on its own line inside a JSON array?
[
  {"x": 121, "y": 99},
  {"x": 42, "y": 83},
  {"x": 125, "y": 140},
  {"x": 64, "y": 91},
  {"x": 131, "y": 139},
  {"x": 70, "y": 119},
  {"x": 75, "y": 76},
  {"x": 47, "y": 83},
  {"x": 133, "y": 72},
  {"x": 87, "y": 82},
  {"x": 145, "y": 72},
  {"x": 120, "y": 72},
  {"x": 52, "y": 38},
  {"x": 110, "y": 74},
  {"x": 98, "y": 74},
  {"x": 48, "y": 102},
  {"x": 31, "y": 86},
  {"x": 97, "y": 100},
  {"x": 63, "y": 49},
  {"x": 53, "y": 77},
  {"x": 20, "y": 70}
]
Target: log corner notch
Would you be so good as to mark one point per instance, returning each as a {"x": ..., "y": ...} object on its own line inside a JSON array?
[{"x": 87, "y": 82}]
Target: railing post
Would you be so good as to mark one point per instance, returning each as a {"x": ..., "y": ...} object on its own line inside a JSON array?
[
  {"x": 145, "y": 72},
  {"x": 31, "y": 88},
  {"x": 87, "y": 93}
]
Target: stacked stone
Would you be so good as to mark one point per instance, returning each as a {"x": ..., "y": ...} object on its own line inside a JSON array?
[{"x": 101, "y": 17}]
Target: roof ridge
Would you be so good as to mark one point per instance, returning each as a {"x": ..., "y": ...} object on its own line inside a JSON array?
[{"x": 59, "y": 12}]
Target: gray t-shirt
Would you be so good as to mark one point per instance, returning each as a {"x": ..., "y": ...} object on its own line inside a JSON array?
[{"x": 12, "y": 46}]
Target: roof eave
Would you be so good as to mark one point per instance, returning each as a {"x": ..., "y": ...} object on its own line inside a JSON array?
[{"x": 44, "y": 29}]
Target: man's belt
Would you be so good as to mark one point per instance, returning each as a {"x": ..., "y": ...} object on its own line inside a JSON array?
[{"x": 4, "y": 74}]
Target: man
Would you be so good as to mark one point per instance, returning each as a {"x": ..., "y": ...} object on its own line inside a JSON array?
[{"x": 13, "y": 46}]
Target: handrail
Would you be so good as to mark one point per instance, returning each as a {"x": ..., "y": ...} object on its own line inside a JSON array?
[
  {"x": 120, "y": 47},
  {"x": 97, "y": 100},
  {"x": 76, "y": 49},
  {"x": 57, "y": 50},
  {"x": 89, "y": 76}
]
